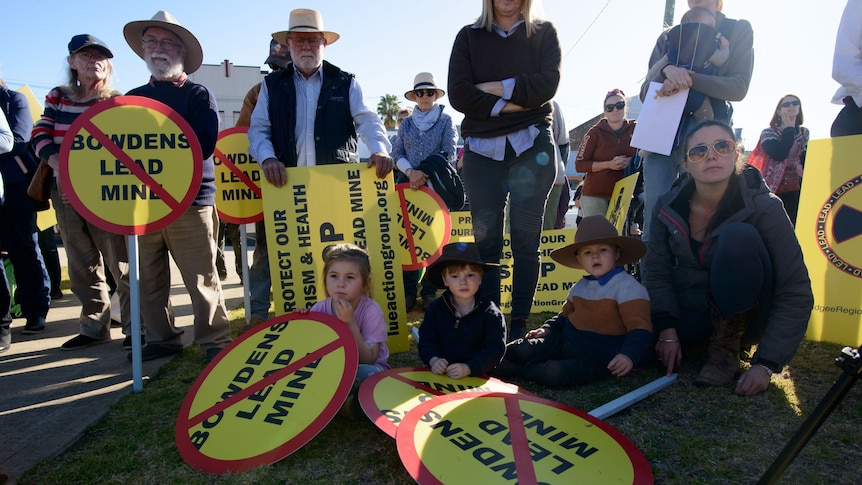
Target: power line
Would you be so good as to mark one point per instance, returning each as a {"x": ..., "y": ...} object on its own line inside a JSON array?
[{"x": 588, "y": 28}]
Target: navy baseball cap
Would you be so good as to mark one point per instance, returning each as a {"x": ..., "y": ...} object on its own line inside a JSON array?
[{"x": 81, "y": 41}]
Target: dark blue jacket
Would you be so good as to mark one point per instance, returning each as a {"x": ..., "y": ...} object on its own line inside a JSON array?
[
  {"x": 197, "y": 105},
  {"x": 477, "y": 339},
  {"x": 334, "y": 132},
  {"x": 19, "y": 164}
]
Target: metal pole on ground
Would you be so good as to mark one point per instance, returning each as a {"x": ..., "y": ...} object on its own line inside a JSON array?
[
  {"x": 135, "y": 304},
  {"x": 246, "y": 296},
  {"x": 624, "y": 401}
]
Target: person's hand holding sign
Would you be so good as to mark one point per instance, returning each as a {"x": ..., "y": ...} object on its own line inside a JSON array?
[
  {"x": 439, "y": 365},
  {"x": 274, "y": 172},
  {"x": 383, "y": 162},
  {"x": 457, "y": 371}
]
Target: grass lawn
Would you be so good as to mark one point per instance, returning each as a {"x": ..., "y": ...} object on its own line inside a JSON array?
[{"x": 688, "y": 434}]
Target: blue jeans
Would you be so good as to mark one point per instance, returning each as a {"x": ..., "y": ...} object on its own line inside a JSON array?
[
  {"x": 259, "y": 284},
  {"x": 19, "y": 237},
  {"x": 366, "y": 370},
  {"x": 659, "y": 172},
  {"x": 525, "y": 180},
  {"x": 551, "y": 361}
]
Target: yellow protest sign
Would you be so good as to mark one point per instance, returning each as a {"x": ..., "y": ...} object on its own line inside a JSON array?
[
  {"x": 426, "y": 225},
  {"x": 46, "y": 218},
  {"x": 829, "y": 229},
  {"x": 386, "y": 397},
  {"x": 331, "y": 204},
  {"x": 33, "y": 103},
  {"x": 130, "y": 165},
  {"x": 621, "y": 200},
  {"x": 462, "y": 226},
  {"x": 469, "y": 438},
  {"x": 267, "y": 394},
  {"x": 555, "y": 280},
  {"x": 237, "y": 177}
]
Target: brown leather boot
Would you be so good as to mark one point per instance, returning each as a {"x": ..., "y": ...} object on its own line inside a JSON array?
[{"x": 722, "y": 355}]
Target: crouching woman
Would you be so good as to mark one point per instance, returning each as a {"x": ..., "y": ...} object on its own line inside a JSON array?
[{"x": 725, "y": 268}]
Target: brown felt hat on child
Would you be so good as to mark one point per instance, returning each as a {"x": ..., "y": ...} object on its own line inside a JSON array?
[
  {"x": 454, "y": 253},
  {"x": 597, "y": 230}
]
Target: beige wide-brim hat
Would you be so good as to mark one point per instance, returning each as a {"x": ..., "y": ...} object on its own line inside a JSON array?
[
  {"x": 423, "y": 80},
  {"x": 134, "y": 32},
  {"x": 597, "y": 229},
  {"x": 305, "y": 20}
]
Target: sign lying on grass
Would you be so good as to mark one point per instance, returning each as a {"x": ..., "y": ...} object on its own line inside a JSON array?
[
  {"x": 386, "y": 397},
  {"x": 482, "y": 437},
  {"x": 267, "y": 394}
]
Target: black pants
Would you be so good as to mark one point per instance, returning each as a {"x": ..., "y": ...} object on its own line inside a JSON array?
[{"x": 849, "y": 119}]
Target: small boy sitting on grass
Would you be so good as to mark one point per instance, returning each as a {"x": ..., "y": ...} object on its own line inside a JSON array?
[
  {"x": 604, "y": 327},
  {"x": 462, "y": 335}
]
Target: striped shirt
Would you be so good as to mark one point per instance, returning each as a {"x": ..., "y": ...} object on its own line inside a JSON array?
[
  {"x": 60, "y": 112},
  {"x": 609, "y": 315}
]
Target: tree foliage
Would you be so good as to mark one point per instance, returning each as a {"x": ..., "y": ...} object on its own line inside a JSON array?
[{"x": 387, "y": 109}]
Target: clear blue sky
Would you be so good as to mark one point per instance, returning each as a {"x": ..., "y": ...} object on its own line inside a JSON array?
[{"x": 606, "y": 44}]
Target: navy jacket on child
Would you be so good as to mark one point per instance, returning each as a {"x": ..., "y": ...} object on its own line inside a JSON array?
[{"x": 477, "y": 339}]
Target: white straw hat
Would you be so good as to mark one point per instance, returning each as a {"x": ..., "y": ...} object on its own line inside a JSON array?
[
  {"x": 423, "y": 80},
  {"x": 305, "y": 20},
  {"x": 134, "y": 33}
]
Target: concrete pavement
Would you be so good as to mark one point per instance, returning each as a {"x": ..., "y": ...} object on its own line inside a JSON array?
[{"x": 48, "y": 396}]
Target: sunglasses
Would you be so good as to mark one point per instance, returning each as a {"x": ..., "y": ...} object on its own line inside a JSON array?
[
  {"x": 698, "y": 153},
  {"x": 620, "y": 105},
  {"x": 425, "y": 92},
  {"x": 788, "y": 104}
]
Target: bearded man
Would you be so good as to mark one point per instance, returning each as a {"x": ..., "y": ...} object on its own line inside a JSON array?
[{"x": 171, "y": 51}]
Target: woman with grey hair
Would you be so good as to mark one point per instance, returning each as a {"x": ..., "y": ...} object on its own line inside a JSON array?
[{"x": 89, "y": 249}]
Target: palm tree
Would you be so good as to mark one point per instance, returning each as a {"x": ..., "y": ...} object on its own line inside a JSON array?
[{"x": 388, "y": 108}]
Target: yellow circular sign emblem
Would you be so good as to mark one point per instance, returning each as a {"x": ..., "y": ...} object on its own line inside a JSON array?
[
  {"x": 268, "y": 393},
  {"x": 514, "y": 438},
  {"x": 387, "y": 397},
  {"x": 238, "y": 176},
  {"x": 130, "y": 165},
  {"x": 426, "y": 226}
]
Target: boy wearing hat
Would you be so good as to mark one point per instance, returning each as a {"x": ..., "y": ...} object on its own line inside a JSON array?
[
  {"x": 604, "y": 327},
  {"x": 462, "y": 335}
]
